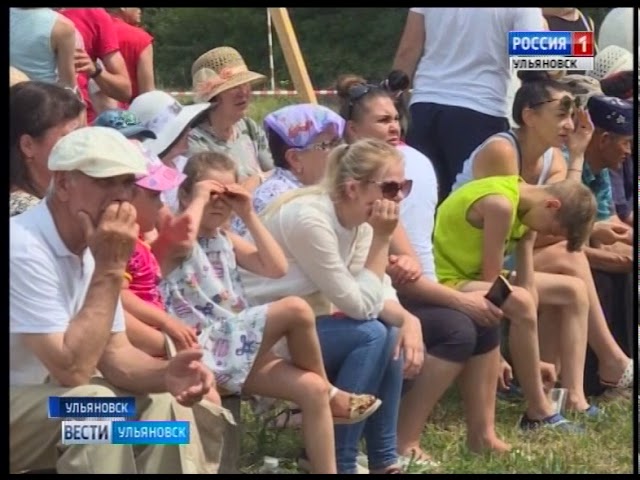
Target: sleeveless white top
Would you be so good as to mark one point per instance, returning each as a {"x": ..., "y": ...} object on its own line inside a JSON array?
[{"x": 467, "y": 169}]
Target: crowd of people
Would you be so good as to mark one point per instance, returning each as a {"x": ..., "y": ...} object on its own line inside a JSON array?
[{"x": 336, "y": 263}]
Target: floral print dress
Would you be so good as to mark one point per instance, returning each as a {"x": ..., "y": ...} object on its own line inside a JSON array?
[
  {"x": 20, "y": 202},
  {"x": 205, "y": 292}
]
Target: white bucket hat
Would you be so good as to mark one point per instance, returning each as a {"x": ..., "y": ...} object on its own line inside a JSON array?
[
  {"x": 165, "y": 116},
  {"x": 611, "y": 60}
]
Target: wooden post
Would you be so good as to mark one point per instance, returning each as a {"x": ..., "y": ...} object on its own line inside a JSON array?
[{"x": 292, "y": 54}]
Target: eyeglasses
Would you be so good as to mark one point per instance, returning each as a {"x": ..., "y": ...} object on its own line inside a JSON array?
[
  {"x": 566, "y": 102},
  {"x": 356, "y": 92},
  {"x": 390, "y": 190},
  {"x": 323, "y": 146}
]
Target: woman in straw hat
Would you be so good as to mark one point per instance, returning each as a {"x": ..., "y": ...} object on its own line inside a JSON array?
[{"x": 221, "y": 77}]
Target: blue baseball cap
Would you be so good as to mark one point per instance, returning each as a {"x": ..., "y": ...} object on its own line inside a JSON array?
[
  {"x": 611, "y": 114},
  {"x": 125, "y": 122}
]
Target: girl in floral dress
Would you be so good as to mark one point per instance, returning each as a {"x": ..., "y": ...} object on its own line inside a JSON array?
[{"x": 202, "y": 287}]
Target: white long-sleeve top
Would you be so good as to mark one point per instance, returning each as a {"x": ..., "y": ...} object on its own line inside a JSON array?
[{"x": 326, "y": 262}]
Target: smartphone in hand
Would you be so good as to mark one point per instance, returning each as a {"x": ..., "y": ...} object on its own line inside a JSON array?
[{"x": 499, "y": 291}]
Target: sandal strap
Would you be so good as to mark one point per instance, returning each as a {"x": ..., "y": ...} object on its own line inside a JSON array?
[
  {"x": 359, "y": 403},
  {"x": 333, "y": 391},
  {"x": 625, "y": 380}
]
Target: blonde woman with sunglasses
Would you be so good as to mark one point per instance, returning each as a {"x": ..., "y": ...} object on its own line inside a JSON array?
[
  {"x": 336, "y": 236},
  {"x": 458, "y": 328}
]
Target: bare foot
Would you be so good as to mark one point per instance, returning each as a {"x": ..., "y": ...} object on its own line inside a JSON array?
[
  {"x": 339, "y": 404},
  {"x": 487, "y": 443},
  {"x": 576, "y": 404}
]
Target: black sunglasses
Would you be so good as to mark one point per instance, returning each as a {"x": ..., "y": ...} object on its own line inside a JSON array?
[
  {"x": 390, "y": 190},
  {"x": 566, "y": 102},
  {"x": 355, "y": 94}
]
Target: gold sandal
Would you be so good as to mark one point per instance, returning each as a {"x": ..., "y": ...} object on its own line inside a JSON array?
[{"x": 361, "y": 407}]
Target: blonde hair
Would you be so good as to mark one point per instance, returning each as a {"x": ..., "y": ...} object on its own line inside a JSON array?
[
  {"x": 360, "y": 161},
  {"x": 577, "y": 211}
]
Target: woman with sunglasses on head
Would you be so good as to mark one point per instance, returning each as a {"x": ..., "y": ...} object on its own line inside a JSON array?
[
  {"x": 550, "y": 118},
  {"x": 336, "y": 237},
  {"x": 457, "y": 343}
]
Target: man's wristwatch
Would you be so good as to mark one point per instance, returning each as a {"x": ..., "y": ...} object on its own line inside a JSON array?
[{"x": 98, "y": 70}]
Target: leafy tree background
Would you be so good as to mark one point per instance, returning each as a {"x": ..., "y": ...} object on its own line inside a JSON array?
[{"x": 333, "y": 40}]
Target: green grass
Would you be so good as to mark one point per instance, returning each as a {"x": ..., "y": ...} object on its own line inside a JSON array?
[{"x": 606, "y": 447}]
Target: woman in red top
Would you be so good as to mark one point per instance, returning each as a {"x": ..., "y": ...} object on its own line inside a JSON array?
[
  {"x": 99, "y": 61},
  {"x": 136, "y": 46}
]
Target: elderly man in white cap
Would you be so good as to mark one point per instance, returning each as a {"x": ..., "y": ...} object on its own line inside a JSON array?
[{"x": 68, "y": 256}]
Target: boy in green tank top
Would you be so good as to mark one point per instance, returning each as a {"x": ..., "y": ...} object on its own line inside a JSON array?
[
  {"x": 487, "y": 219},
  {"x": 501, "y": 209}
]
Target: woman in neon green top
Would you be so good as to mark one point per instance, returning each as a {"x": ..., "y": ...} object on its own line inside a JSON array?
[{"x": 474, "y": 228}]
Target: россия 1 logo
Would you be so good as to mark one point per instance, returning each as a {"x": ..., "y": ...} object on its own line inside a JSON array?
[{"x": 551, "y": 50}]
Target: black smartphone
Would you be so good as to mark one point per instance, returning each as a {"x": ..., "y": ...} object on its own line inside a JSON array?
[{"x": 499, "y": 291}]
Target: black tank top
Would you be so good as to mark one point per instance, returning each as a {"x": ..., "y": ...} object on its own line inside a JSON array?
[{"x": 557, "y": 24}]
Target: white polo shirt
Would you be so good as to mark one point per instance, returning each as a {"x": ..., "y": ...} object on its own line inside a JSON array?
[{"x": 47, "y": 288}]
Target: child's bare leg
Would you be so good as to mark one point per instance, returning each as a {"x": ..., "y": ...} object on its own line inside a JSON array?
[
  {"x": 274, "y": 377},
  {"x": 568, "y": 294},
  {"x": 612, "y": 361},
  {"x": 519, "y": 308},
  {"x": 478, "y": 389},
  {"x": 293, "y": 318}
]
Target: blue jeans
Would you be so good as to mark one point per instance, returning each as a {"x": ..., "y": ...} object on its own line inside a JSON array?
[{"x": 358, "y": 358}]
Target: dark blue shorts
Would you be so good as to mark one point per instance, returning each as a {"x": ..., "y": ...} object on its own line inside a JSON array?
[{"x": 447, "y": 135}]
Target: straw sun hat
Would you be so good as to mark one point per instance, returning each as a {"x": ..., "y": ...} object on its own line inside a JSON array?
[
  {"x": 218, "y": 70},
  {"x": 611, "y": 60}
]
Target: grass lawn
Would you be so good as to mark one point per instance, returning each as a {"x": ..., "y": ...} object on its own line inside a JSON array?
[{"x": 606, "y": 447}]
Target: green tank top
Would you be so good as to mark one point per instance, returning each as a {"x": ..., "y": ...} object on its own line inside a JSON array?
[{"x": 457, "y": 244}]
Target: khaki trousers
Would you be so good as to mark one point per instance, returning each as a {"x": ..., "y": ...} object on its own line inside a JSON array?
[{"x": 35, "y": 440}]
